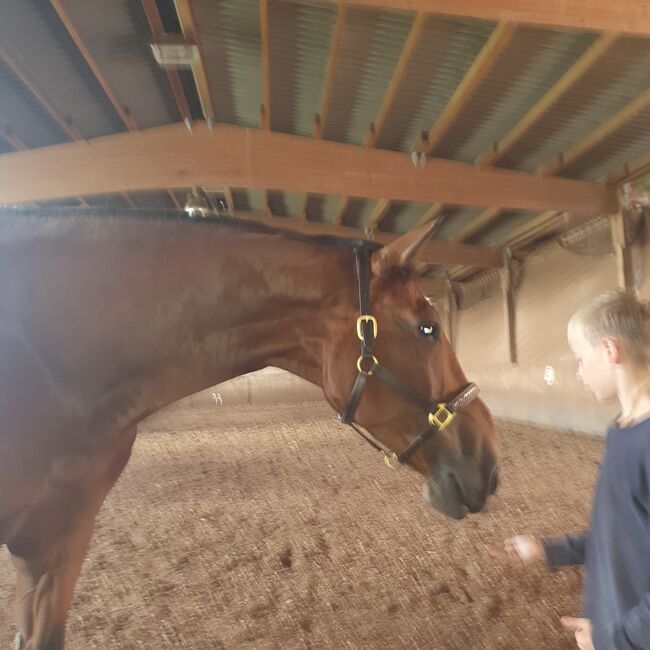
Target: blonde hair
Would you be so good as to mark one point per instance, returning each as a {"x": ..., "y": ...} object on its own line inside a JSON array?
[{"x": 621, "y": 315}]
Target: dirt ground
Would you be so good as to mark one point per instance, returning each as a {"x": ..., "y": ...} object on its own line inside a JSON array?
[{"x": 276, "y": 527}]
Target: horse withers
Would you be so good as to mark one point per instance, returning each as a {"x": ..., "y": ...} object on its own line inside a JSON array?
[{"x": 106, "y": 318}]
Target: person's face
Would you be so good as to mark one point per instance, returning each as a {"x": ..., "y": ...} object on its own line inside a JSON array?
[{"x": 596, "y": 362}]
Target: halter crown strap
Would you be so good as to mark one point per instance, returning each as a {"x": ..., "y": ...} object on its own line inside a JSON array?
[{"x": 438, "y": 415}]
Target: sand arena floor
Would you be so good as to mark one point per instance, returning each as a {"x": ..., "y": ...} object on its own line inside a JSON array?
[{"x": 276, "y": 527}]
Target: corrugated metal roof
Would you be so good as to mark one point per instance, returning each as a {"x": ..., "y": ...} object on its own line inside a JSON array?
[
  {"x": 230, "y": 35},
  {"x": 371, "y": 45},
  {"x": 612, "y": 83},
  {"x": 323, "y": 207},
  {"x": 117, "y": 35},
  {"x": 628, "y": 143},
  {"x": 29, "y": 122},
  {"x": 445, "y": 51},
  {"x": 300, "y": 43},
  {"x": 526, "y": 69},
  {"x": 30, "y": 30}
]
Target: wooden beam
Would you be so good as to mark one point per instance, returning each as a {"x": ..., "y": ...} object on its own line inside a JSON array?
[
  {"x": 266, "y": 62},
  {"x": 432, "y": 212},
  {"x": 335, "y": 50},
  {"x": 532, "y": 228},
  {"x": 509, "y": 310},
  {"x": 188, "y": 25},
  {"x": 343, "y": 206},
  {"x": 158, "y": 33},
  {"x": 405, "y": 57},
  {"x": 566, "y": 81},
  {"x": 603, "y": 131},
  {"x": 125, "y": 116},
  {"x": 624, "y": 270},
  {"x": 319, "y": 120},
  {"x": 377, "y": 214},
  {"x": 11, "y": 139},
  {"x": 489, "y": 53},
  {"x": 64, "y": 122},
  {"x": 433, "y": 252},
  {"x": 477, "y": 224},
  {"x": 171, "y": 156},
  {"x": 629, "y": 16}
]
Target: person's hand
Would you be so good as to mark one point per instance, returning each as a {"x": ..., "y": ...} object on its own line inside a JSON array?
[
  {"x": 581, "y": 627},
  {"x": 521, "y": 549}
]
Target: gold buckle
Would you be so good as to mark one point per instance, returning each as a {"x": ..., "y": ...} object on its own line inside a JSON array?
[
  {"x": 360, "y": 369},
  {"x": 389, "y": 459},
  {"x": 434, "y": 418},
  {"x": 366, "y": 318}
]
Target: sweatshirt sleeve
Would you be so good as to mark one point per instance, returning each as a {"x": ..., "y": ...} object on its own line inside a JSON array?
[
  {"x": 565, "y": 551},
  {"x": 630, "y": 632}
]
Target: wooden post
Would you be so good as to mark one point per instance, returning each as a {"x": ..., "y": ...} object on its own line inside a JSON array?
[
  {"x": 509, "y": 306},
  {"x": 624, "y": 271}
]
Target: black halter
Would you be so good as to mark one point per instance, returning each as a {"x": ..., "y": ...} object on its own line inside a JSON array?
[{"x": 440, "y": 415}]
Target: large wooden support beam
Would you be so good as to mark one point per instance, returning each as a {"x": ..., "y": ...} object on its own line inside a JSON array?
[
  {"x": 628, "y": 16},
  {"x": 624, "y": 269},
  {"x": 508, "y": 289},
  {"x": 433, "y": 252},
  {"x": 232, "y": 156}
]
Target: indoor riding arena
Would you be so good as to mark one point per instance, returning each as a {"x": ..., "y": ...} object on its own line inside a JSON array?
[{"x": 439, "y": 184}]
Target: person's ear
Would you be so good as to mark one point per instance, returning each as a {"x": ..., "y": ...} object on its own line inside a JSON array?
[{"x": 612, "y": 349}]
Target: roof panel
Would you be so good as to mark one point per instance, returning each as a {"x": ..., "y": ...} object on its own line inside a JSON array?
[
  {"x": 230, "y": 36},
  {"x": 24, "y": 115},
  {"x": 117, "y": 35},
  {"x": 371, "y": 45},
  {"x": 445, "y": 51},
  {"x": 615, "y": 81},
  {"x": 30, "y": 30},
  {"x": 528, "y": 67},
  {"x": 300, "y": 42}
]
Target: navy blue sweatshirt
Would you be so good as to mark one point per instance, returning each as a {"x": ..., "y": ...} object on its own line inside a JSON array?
[{"x": 616, "y": 549}]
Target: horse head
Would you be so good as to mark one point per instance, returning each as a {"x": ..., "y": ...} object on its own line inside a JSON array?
[{"x": 402, "y": 383}]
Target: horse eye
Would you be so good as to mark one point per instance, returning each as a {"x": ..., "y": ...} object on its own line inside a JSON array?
[{"x": 429, "y": 329}]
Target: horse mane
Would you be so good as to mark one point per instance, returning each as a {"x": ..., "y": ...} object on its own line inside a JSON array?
[{"x": 163, "y": 215}]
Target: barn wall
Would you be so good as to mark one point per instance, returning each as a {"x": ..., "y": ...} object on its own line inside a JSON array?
[{"x": 554, "y": 283}]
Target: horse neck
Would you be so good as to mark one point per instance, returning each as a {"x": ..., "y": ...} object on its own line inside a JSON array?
[{"x": 269, "y": 297}]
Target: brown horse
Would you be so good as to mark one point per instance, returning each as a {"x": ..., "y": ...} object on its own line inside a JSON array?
[{"x": 104, "y": 319}]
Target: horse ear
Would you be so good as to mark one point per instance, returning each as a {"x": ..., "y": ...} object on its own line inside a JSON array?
[{"x": 402, "y": 250}]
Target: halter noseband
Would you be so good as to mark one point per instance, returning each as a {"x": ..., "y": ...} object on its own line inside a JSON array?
[{"x": 439, "y": 415}]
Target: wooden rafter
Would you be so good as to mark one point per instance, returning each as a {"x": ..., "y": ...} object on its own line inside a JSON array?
[
  {"x": 188, "y": 25},
  {"x": 410, "y": 44},
  {"x": 598, "y": 135},
  {"x": 628, "y": 16},
  {"x": 158, "y": 33},
  {"x": 566, "y": 81},
  {"x": 171, "y": 156},
  {"x": 64, "y": 122},
  {"x": 478, "y": 223},
  {"x": 266, "y": 63},
  {"x": 377, "y": 214},
  {"x": 376, "y": 127},
  {"x": 340, "y": 211},
  {"x": 490, "y": 52},
  {"x": 483, "y": 63},
  {"x": 432, "y": 212},
  {"x": 492, "y": 154},
  {"x": 433, "y": 252},
  {"x": 321, "y": 117},
  {"x": 172, "y": 196},
  {"x": 121, "y": 110}
]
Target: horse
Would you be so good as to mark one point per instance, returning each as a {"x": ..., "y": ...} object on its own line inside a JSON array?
[{"x": 107, "y": 316}]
